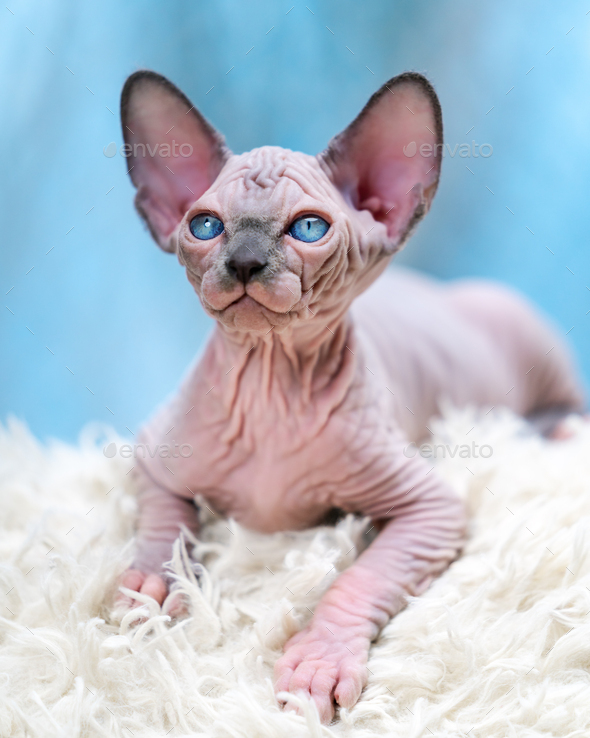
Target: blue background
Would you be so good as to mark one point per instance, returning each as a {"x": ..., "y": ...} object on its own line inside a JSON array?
[{"x": 118, "y": 314}]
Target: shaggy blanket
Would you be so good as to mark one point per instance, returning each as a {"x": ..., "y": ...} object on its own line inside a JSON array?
[{"x": 498, "y": 646}]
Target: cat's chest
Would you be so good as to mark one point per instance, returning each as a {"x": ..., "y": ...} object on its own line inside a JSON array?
[
  {"x": 270, "y": 470},
  {"x": 272, "y": 447},
  {"x": 275, "y": 477}
]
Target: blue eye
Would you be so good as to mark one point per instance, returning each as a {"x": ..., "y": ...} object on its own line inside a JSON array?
[
  {"x": 309, "y": 228},
  {"x": 205, "y": 227}
]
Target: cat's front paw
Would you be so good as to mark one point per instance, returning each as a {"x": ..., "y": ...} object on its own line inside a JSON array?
[
  {"x": 327, "y": 663},
  {"x": 152, "y": 585}
]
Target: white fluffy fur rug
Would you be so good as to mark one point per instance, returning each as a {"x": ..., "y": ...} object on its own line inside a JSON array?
[{"x": 499, "y": 646}]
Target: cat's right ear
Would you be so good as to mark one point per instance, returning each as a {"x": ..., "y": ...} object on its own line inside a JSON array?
[
  {"x": 388, "y": 159},
  {"x": 174, "y": 154}
]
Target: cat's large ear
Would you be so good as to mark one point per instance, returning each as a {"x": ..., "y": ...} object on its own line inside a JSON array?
[
  {"x": 388, "y": 159},
  {"x": 174, "y": 154}
]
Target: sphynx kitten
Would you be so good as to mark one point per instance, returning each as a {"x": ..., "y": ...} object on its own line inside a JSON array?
[{"x": 302, "y": 402}]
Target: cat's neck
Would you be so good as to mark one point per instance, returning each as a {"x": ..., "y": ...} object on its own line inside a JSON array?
[{"x": 299, "y": 362}]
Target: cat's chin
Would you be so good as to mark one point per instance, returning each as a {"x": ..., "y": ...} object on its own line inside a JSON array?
[{"x": 248, "y": 315}]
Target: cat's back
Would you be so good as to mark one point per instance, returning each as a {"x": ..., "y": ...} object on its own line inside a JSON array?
[{"x": 423, "y": 349}]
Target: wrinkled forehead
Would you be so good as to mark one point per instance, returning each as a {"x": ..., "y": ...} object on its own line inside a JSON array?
[{"x": 271, "y": 183}]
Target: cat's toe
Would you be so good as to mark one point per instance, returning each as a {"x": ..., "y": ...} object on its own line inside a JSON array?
[{"x": 152, "y": 585}]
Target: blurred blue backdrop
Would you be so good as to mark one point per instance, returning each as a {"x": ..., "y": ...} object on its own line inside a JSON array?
[{"x": 98, "y": 324}]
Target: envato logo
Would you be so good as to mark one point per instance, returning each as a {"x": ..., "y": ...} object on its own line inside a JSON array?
[
  {"x": 164, "y": 150},
  {"x": 439, "y": 450},
  {"x": 465, "y": 150},
  {"x": 143, "y": 450}
]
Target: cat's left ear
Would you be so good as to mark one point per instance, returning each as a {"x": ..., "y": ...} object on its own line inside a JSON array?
[
  {"x": 388, "y": 159},
  {"x": 174, "y": 154}
]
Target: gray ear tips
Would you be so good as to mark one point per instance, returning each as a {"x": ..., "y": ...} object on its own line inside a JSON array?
[
  {"x": 426, "y": 87},
  {"x": 137, "y": 78},
  {"x": 329, "y": 157},
  {"x": 133, "y": 79},
  {"x": 128, "y": 87},
  {"x": 416, "y": 79},
  {"x": 144, "y": 75}
]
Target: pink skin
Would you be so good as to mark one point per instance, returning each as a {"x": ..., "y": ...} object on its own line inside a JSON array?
[{"x": 303, "y": 402}]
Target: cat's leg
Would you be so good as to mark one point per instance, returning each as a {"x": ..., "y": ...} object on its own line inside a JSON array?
[
  {"x": 161, "y": 515},
  {"x": 421, "y": 524}
]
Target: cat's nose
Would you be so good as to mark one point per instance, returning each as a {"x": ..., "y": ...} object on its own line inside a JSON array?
[{"x": 245, "y": 262}]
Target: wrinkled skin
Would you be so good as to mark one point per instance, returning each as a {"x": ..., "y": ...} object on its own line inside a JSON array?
[{"x": 303, "y": 402}]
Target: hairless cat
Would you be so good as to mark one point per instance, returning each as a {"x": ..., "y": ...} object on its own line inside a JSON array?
[{"x": 314, "y": 379}]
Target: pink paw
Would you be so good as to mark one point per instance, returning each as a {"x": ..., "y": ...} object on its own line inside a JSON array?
[
  {"x": 327, "y": 663},
  {"x": 152, "y": 585}
]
